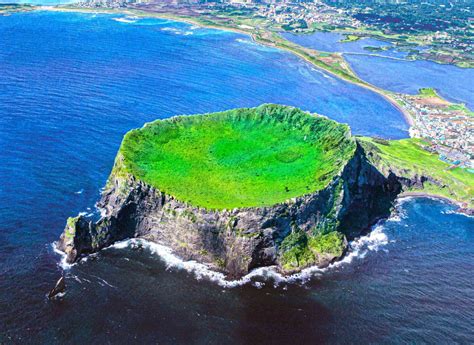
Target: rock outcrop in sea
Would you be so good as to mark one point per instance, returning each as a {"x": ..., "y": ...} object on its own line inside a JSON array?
[{"x": 292, "y": 235}]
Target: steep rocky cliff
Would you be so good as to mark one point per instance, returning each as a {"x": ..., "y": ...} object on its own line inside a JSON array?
[{"x": 237, "y": 240}]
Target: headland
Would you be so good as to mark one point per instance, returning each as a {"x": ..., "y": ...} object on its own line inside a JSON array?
[{"x": 247, "y": 188}]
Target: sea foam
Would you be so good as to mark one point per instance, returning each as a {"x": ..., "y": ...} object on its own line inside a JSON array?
[
  {"x": 258, "y": 277},
  {"x": 62, "y": 262}
]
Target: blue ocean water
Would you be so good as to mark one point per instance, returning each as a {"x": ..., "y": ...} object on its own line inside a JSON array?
[
  {"x": 393, "y": 72},
  {"x": 155, "y": 68},
  {"x": 72, "y": 84}
]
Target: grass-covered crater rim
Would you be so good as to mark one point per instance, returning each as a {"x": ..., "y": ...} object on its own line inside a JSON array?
[{"x": 240, "y": 158}]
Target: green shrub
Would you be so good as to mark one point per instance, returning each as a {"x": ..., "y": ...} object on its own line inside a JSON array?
[
  {"x": 330, "y": 243},
  {"x": 295, "y": 251}
]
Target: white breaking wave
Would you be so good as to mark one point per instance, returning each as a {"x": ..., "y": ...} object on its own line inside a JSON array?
[
  {"x": 85, "y": 214},
  {"x": 128, "y": 20},
  {"x": 357, "y": 249},
  {"x": 246, "y": 41},
  {"x": 399, "y": 213},
  {"x": 458, "y": 213},
  {"x": 178, "y": 31},
  {"x": 199, "y": 270},
  {"x": 254, "y": 46},
  {"x": 404, "y": 199},
  {"x": 62, "y": 263},
  {"x": 315, "y": 70},
  {"x": 373, "y": 241}
]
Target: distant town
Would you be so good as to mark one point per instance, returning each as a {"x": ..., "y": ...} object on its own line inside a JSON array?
[{"x": 449, "y": 127}]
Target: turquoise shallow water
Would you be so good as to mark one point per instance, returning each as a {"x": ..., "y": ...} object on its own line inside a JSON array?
[{"x": 72, "y": 84}]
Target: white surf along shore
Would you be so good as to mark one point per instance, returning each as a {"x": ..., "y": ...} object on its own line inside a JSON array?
[{"x": 358, "y": 249}]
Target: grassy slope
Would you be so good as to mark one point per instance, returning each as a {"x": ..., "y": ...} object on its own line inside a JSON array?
[
  {"x": 239, "y": 158},
  {"x": 409, "y": 157},
  {"x": 12, "y": 8},
  {"x": 461, "y": 107}
]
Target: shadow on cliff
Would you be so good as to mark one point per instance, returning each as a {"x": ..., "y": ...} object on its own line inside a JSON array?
[{"x": 368, "y": 199}]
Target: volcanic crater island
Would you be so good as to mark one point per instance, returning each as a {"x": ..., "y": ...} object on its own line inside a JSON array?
[{"x": 253, "y": 187}]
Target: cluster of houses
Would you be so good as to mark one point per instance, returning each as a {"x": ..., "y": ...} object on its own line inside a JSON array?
[
  {"x": 287, "y": 12},
  {"x": 450, "y": 128}
]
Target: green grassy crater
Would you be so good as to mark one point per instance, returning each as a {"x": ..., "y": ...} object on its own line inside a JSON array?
[{"x": 237, "y": 158}]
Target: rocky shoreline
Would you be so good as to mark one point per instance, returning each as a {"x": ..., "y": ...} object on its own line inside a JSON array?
[{"x": 462, "y": 208}]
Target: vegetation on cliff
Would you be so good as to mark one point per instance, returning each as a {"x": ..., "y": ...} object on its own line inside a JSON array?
[
  {"x": 409, "y": 158},
  {"x": 300, "y": 249},
  {"x": 238, "y": 158}
]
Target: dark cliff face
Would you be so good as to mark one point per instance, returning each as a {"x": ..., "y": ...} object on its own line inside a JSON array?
[
  {"x": 234, "y": 241},
  {"x": 370, "y": 195}
]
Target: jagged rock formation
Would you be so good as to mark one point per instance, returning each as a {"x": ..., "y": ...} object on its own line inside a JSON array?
[
  {"x": 58, "y": 289},
  {"x": 292, "y": 234}
]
